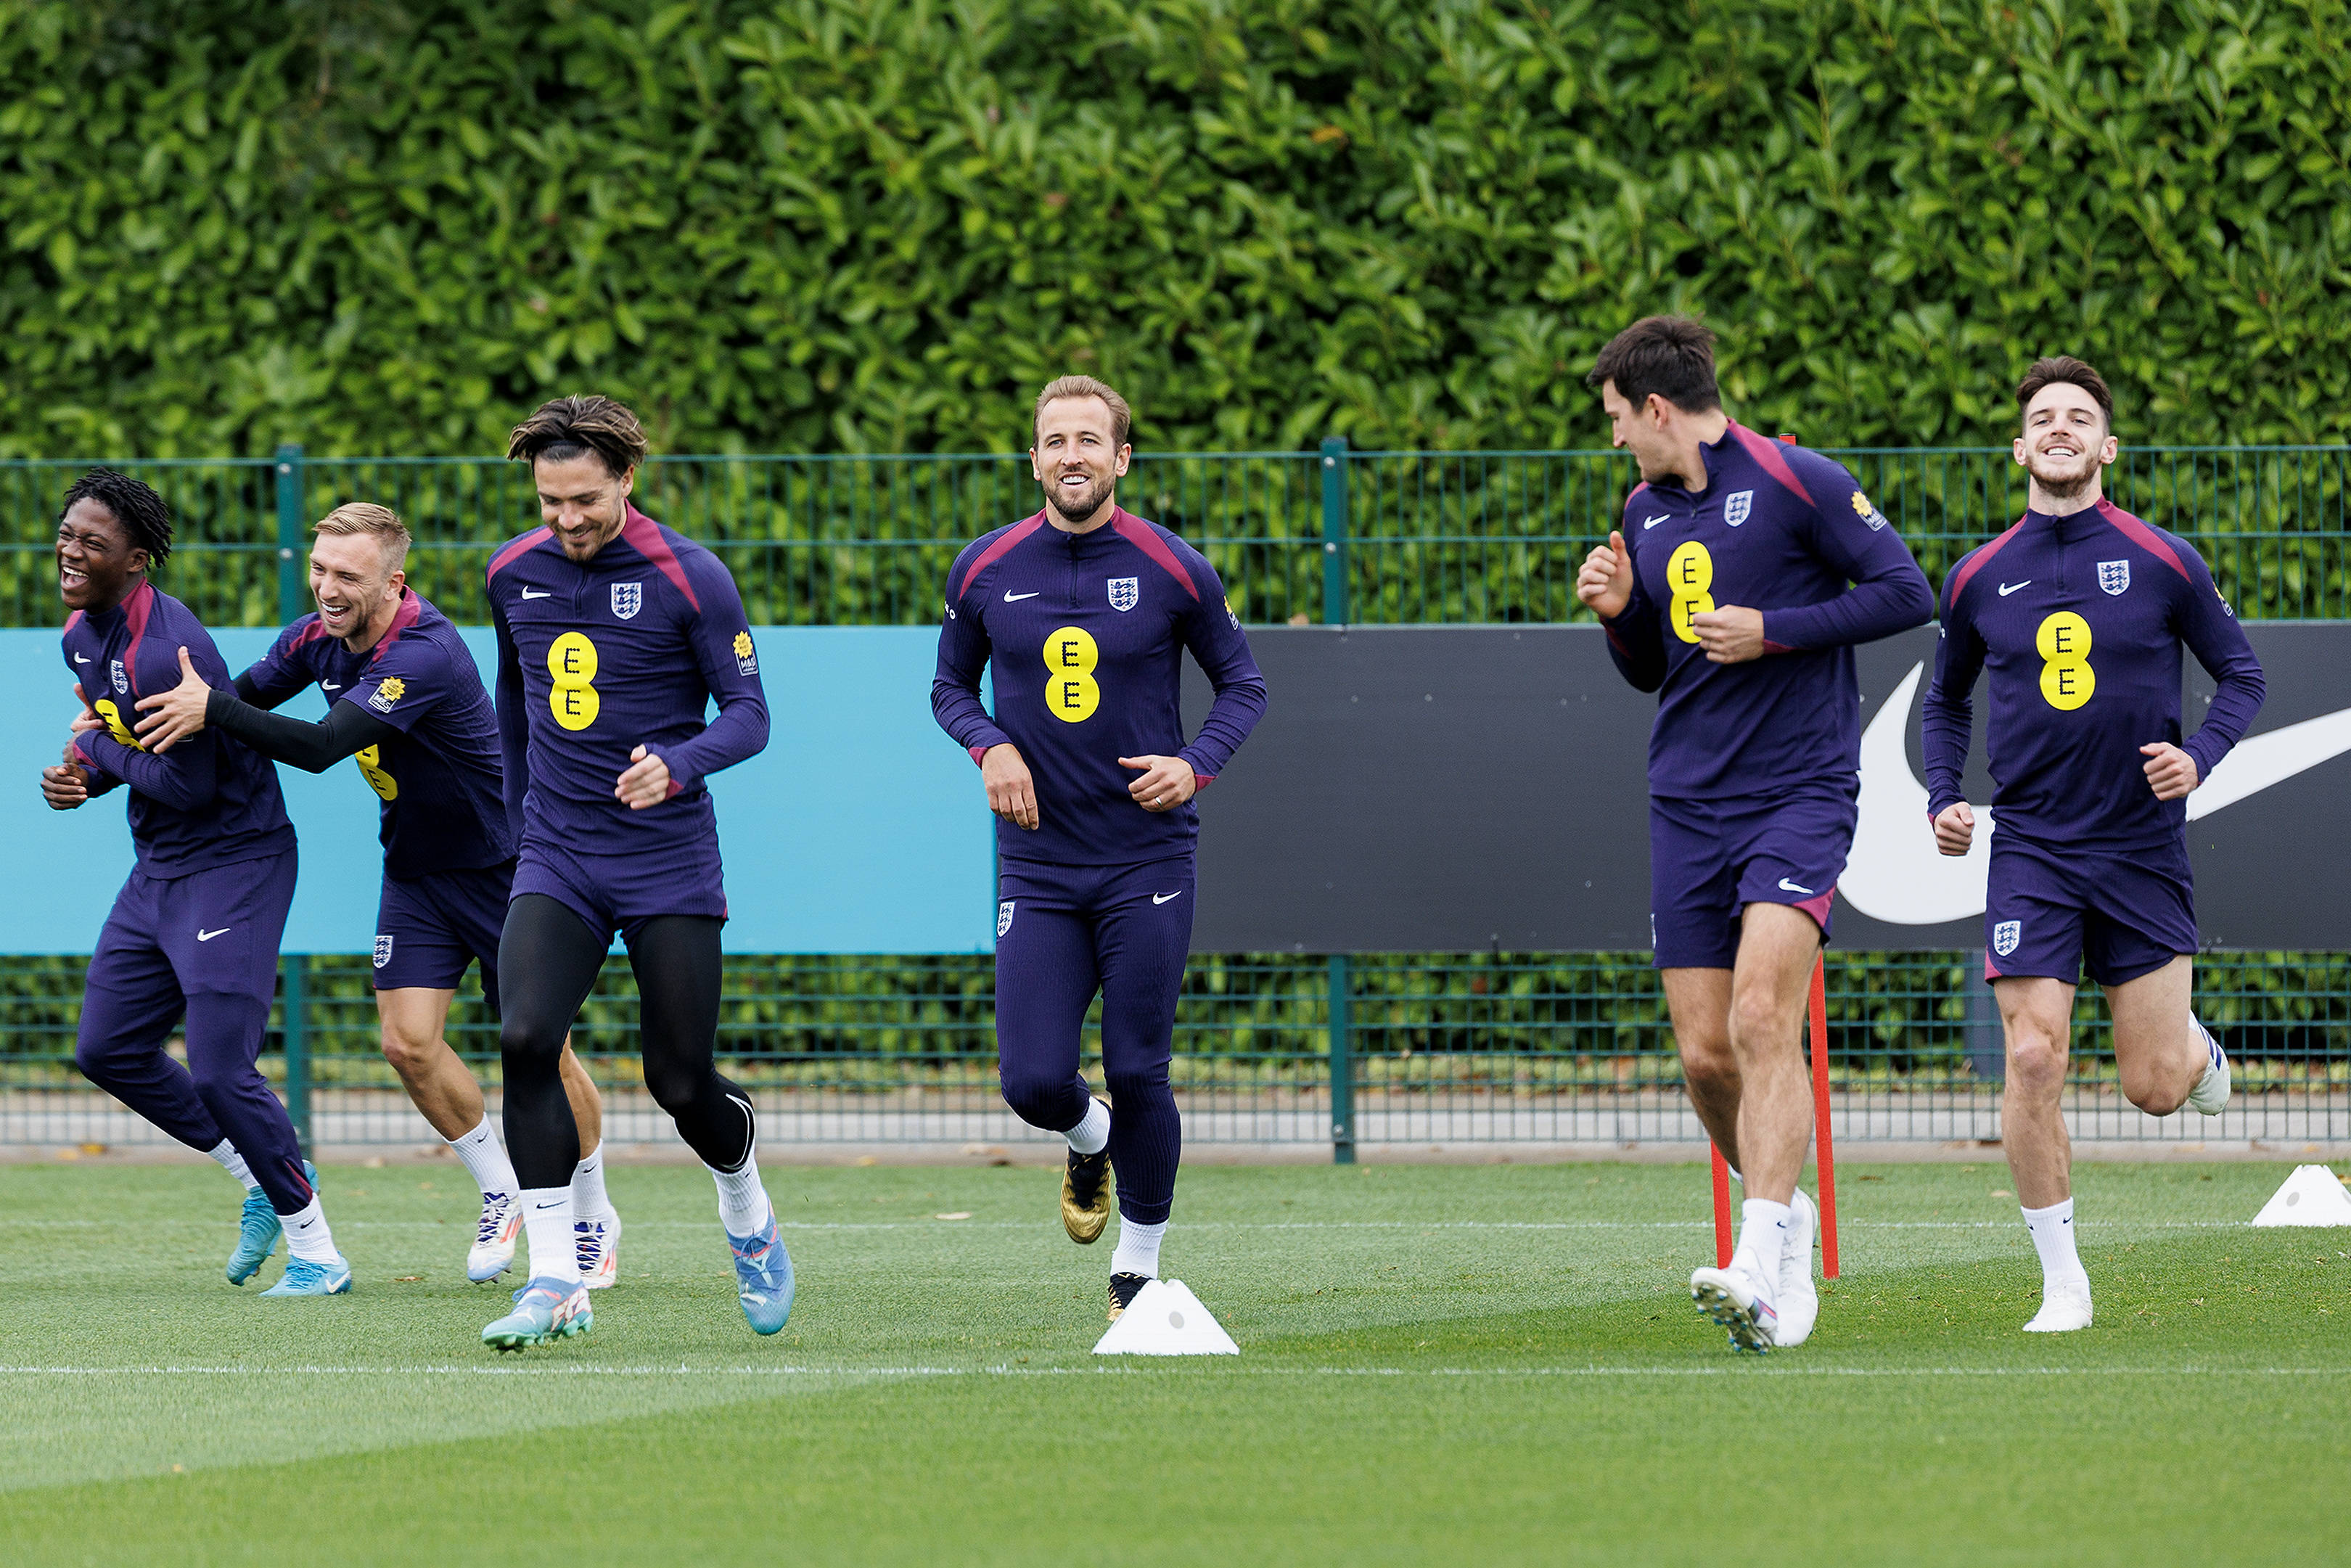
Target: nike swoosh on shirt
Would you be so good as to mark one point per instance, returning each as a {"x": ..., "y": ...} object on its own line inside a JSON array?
[
  {"x": 1896, "y": 873},
  {"x": 1164, "y": 897},
  {"x": 1653, "y": 522},
  {"x": 208, "y": 936},
  {"x": 1011, "y": 598},
  {"x": 331, "y": 686},
  {"x": 542, "y": 593},
  {"x": 1787, "y": 886},
  {"x": 79, "y": 660},
  {"x": 2008, "y": 587}
]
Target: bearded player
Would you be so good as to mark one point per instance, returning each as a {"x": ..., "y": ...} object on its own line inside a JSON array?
[
  {"x": 2079, "y": 613},
  {"x": 405, "y": 699},
  {"x": 615, "y": 636},
  {"x": 1746, "y": 571},
  {"x": 1085, "y": 611},
  {"x": 193, "y": 933}
]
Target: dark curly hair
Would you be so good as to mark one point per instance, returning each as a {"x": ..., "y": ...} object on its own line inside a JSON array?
[
  {"x": 135, "y": 506},
  {"x": 1672, "y": 356},
  {"x": 570, "y": 427}
]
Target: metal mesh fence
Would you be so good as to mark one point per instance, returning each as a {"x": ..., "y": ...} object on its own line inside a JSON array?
[{"x": 1443, "y": 1049}]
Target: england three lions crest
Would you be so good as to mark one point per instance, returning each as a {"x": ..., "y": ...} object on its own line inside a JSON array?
[
  {"x": 2004, "y": 936},
  {"x": 2113, "y": 576},
  {"x": 628, "y": 598},
  {"x": 382, "y": 951},
  {"x": 1126, "y": 593},
  {"x": 1735, "y": 509},
  {"x": 1004, "y": 916}
]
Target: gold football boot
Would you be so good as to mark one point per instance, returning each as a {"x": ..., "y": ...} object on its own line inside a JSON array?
[{"x": 1086, "y": 1195}]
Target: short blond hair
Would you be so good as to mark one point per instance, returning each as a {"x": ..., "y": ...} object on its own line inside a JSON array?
[
  {"x": 366, "y": 517},
  {"x": 1121, "y": 418}
]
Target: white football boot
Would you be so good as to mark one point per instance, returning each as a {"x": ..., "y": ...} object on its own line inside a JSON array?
[
  {"x": 1798, "y": 1300},
  {"x": 2211, "y": 1091},
  {"x": 598, "y": 1241},
  {"x": 2064, "y": 1307},
  {"x": 492, "y": 1253},
  {"x": 1739, "y": 1302}
]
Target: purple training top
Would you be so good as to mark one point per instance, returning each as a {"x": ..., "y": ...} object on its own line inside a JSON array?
[
  {"x": 595, "y": 659},
  {"x": 443, "y": 805},
  {"x": 210, "y": 801},
  {"x": 1086, "y": 634},
  {"x": 1780, "y": 529},
  {"x": 2080, "y": 620}
]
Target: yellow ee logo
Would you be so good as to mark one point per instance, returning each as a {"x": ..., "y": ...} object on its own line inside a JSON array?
[
  {"x": 1690, "y": 573},
  {"x": 1071, "y": 694},
  {"x": 571, "y": 660},
  {"x": 370, "y": 761},
  {"x": 114, "y": 724},
  {"x": 2063, "y": 644}
]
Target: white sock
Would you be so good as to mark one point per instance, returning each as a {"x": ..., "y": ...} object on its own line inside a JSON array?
[
  {"x": 743, "y": 1206},
  {"x": 1091, "y": 1136},
  {"x": 306, "y": 1236},
  {"x": 1138, "y": 1248},
  {"x": 485, "y": 1158},
  {"x": 233, "y": 1163},
  {"x": 2052, "y": 1236},
  {"x": 547, "y": 1219},
  {"x": 588, "y": 1199},
  {"x": 1763, "y": 1237}
]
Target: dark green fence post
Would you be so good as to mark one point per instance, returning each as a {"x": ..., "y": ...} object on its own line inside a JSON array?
[
  {"x": 298, "y": 1046},
  {"x": 293, "y": 573},
  {"x": 1334, "y": 530},
  {"x": 1342, "y": 1065}
]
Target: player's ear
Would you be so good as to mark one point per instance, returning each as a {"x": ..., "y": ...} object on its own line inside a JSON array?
[{"x": 1126, "y": 455}]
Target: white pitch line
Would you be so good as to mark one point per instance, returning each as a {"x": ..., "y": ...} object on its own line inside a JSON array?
[
  {"x": 1221, "y": 1370},
  {"x": 452, "y": 1225}
]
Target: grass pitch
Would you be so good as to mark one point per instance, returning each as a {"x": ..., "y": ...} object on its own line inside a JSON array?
[{"x": 1493, "y": 1363}]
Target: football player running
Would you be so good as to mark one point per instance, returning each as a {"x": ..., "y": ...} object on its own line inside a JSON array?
[
  {"x": 1746, "y": 571},
  {"x": 405, "y": 699},
  {"x": 2078, "y": 613}
]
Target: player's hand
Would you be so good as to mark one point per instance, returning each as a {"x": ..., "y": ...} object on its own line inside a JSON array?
[
  {"x": 1166, "y": 783},
  {"x": 1604, "y": 584},
  {"x": 1955, "y": 829},
  {"x": 66, "y": 786},
  {"x": 173, "y": 715},
  {"x": 646, "y": 783},
  {"x": 1011, "y": 792},
  {"x": 85, "y": 720},
  {"x": 1730, "y": 635},
  {"x": 2170, "y": 770}
]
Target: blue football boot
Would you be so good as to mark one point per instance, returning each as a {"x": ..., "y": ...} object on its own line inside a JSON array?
[
  {"x": 763, "y": 1270},
  {"x": 257, "y": 1232},
  {"x": 304, "y": 1278},
  {"x": 544, "y": 1309}
]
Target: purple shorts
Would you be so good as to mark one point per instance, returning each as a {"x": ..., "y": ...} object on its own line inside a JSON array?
[
  {"x": 2128, "y": 913},
  {"x": 1708, "y": 859},
  {"x": 428, "y": 929},
  {"x": 620, "y": 892},
  {"x": 214, "y": 930}
]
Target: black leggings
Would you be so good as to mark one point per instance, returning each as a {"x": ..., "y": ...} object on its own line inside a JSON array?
[{"x": 547, "y": 961}]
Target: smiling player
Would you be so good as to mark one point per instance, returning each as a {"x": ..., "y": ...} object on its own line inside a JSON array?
[
  {"x": 195, "y": 931},
  {"x": 1754, "y": 762},
  {"x": 405, "y": 698},
  {"x": 616, "y": 634},
  {"x": 1085, "y": 612},
  {"x": 2080, "y": 620}
]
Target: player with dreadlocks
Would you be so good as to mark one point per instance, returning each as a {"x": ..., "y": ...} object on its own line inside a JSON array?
[{"x": 193, "y": 933}]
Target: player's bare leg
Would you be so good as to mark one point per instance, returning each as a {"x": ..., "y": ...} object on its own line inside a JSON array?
[
  {"x": 2167, "y": 1058},
  {"x": 2036, "y": 1015},
  {"x": 1778, "y": 945},
  {"x": 1698, "y": 1001},
  {"x": 414, "y": 1020}
]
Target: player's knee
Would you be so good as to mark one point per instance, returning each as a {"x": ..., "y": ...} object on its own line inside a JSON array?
[
  {"x": 406, "y": 1053},
  {"x": 2036, "y": 1059},
  {"x": 531, "y": 1043},
  {"x": 1039, "y": 1099},
  {"x": 2154, "y": 1093},
  {"x": 94, "y": 1058},
  {"x": 1137, "y": 1086},
  {"x": 674, "y": 1089},
  {"x": 1759, "y": 1022}
]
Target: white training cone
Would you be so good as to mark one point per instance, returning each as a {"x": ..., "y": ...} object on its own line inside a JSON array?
[
  {"x": 1167, "y": 1319},
  {"x": 2310, "y": 1196}
]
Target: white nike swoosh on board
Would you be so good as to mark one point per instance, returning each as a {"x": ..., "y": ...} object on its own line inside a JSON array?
[
  {"x": 1164, "y": 897},
  {"x": 208, "y": 936},
  {"x": 1016, "y": 598},
  {"x": 543, "y": 593},
  {"x": 1787, "y": 886},
  {"x": 1896, "y": 873},
  {"x": 2008, "y": 587}
]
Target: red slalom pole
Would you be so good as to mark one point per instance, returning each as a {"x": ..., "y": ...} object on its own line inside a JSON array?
[
  {"x": 1721, "y": 1210},
  {"x": 1826, "y": 1146}
]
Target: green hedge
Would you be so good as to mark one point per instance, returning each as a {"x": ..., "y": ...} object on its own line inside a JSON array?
[{"x": 878, "y": 224}]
